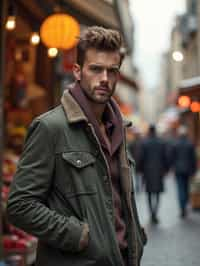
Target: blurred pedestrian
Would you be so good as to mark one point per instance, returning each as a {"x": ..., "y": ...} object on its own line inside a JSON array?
[
  {"x": 135, "y": 151},
  {"x": 73, "y": 186},
  {"x": 153, "y": 165},
  {"x": 184, "y": 165}
]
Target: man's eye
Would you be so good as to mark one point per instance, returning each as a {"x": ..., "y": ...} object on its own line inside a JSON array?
[
  {"x": 96, "y": 69},
  {"x": 113, "y": 71}
]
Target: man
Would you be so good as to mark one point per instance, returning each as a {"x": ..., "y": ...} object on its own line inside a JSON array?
[
  {"x": 73, "y": 186},
  {"x": 153, "y": 164},
  {"x": 184, "y": 164}
]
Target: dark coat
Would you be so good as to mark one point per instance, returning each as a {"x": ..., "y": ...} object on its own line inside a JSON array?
[
  {"x": 135, "y": 151},
  {"x": 153, "y": 163},
  {"x": 62, "y": 183},
  {"x": 184, "y": 158}
]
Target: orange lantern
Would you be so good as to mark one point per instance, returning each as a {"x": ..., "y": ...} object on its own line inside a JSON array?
[
  {"x": 184, "y": 101},
  {"x": 60, "y": 31},
  {"x": 195, "y": 107}
]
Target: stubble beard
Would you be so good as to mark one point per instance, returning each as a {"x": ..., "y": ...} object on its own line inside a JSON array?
[{"x": 90, "y": 94}]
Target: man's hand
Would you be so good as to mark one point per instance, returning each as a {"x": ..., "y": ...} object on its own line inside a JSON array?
[
  {"x": 84, "y": 240},
  {"x": 144, "y": 235}
]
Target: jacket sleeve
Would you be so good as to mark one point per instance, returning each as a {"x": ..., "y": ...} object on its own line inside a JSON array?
[{"x": 26, "y": 206}]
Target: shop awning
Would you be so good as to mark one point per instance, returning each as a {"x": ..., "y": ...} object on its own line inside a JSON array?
[
  {"x": 87, "y": 12},
  {"x": 98, "y": 12}
]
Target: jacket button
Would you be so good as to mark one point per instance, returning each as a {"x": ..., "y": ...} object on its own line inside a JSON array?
[{"x": 78, "y": 162}]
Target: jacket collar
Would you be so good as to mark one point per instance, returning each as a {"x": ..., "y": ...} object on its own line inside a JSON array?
[
  {"x": 74, "y": 112},
  {"x": 72, "y": 109}
]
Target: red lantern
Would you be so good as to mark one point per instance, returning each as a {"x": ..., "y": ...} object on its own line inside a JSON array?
[{"x": 195, "y": 107}]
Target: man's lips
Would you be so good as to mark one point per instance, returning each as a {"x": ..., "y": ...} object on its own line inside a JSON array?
[{"x": 102, "y": 89}]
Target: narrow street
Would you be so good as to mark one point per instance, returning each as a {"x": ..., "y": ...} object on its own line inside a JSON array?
[{"x": 173, "y": 242}]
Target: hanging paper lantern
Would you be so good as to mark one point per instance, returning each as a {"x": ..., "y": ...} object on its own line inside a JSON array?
[
  {"x": 60, "y": 31},
  {"x": 184, "y": 101},
  {"x": 195, "y": 106}
]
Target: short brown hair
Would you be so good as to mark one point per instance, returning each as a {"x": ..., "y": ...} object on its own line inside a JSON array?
[{"x": 100, "y": 39}]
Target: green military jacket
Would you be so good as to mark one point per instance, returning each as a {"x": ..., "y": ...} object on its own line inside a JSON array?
[{"x": 62, "y": 183}]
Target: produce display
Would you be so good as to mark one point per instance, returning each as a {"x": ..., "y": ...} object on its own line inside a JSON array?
[{"x": 19, "y": 247}]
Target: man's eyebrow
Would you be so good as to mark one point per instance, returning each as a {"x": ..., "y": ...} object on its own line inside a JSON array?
[{"x": 100, "y": 65}]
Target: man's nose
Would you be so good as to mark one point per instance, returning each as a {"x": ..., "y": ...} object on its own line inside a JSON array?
[{"x": 104, "y": 76}]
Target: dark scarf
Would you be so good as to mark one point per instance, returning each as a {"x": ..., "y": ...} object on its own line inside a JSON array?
[{"x": 111, "y": 118}]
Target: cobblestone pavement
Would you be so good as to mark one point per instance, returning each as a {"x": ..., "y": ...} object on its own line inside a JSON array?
[{"x": 173, "y": 242}]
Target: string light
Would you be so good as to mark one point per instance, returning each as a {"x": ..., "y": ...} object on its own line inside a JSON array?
[
  {"x": 11, "y": 19},
  {"x": 11, "y": 23},
  {"x": 35, "y": 38},
  {"x": 177, "y": 56},
  {"x": 52, "y": 52}
]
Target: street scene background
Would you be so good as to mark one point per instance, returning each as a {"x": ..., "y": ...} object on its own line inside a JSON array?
[
  {"x": 158, "y": 91},
  {"x": 174, "y": 241}
]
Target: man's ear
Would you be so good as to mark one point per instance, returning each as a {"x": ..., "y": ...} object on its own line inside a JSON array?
[{"x": 77, "y": 72}]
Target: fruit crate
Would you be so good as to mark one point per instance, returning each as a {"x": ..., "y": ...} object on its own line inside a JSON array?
[
  {"x": 23, "y": 258},
  {"x": 21, "y": 251}
]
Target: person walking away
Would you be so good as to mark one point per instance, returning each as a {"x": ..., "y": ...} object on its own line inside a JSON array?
[
  {"x": 184, "y": 165},
  {"x": 73, "y": 188},
  {"x": 153, "y": 166},
  {"x": 135, "y": 151}
]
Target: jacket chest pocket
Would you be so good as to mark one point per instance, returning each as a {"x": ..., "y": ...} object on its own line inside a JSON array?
[{"x": 80, "y": 173}]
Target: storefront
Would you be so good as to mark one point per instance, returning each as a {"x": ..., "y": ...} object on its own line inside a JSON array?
[
  {"x": 22, "y": 98},
  {"x": 189, "y": 104}
]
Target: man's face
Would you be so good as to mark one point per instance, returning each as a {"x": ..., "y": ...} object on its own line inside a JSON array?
[{"x": 99, "y": 74}]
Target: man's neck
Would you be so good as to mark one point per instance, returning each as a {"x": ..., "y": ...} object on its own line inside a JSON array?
[{"x": 98, "y": 110}]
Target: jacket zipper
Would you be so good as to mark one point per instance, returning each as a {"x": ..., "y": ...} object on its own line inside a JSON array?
[{"x": 108, "y": 171}]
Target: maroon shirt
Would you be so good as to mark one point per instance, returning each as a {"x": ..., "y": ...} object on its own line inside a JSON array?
[{"x": 113, "y": 126}]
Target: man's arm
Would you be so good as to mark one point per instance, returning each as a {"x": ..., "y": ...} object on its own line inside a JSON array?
[{"x": 26, "y": 204}]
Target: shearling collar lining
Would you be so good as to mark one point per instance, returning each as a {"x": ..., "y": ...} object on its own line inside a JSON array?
[
  {"x": 74, "y": 112},
  {"x": 72, "y": 109}
]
